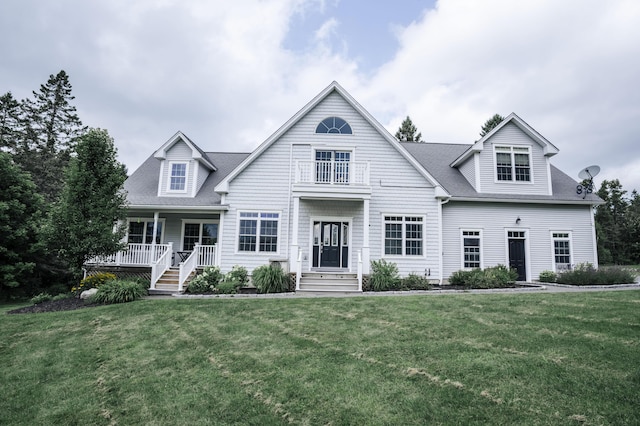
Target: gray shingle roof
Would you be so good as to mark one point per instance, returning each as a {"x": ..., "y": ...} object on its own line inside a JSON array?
[
  {"x": 436, "y": 157},
  {"x": 142, "y": 185}
]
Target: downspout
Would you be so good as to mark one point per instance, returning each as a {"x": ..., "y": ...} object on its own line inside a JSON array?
[
  {"x": 289, "y": 201},
  {"x": 442, "y": 202},
  {"x": 592, "y": 207}
]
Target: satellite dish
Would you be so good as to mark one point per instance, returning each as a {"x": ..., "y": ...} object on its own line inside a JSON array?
[{"x": 589, "y": 172}]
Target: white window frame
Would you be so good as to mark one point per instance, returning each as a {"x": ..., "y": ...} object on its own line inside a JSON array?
[
  {"x": 145, "y": 220},
  {"x": 199, "y": 222},
  {"x": 170, "y": 175},
  {"x": 258, "y": 219},
  {"x": 462, "y": 237},
  {"x": 502, "y": 149},
  {"x": 404, "y": 223},
  {"x": 568, "y": 238}
]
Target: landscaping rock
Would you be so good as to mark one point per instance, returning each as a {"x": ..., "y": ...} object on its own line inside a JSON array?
[{"x": 88, "y": 293}]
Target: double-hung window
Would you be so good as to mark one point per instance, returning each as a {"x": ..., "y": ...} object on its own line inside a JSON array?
[
  {"x": 561, "y": 250},
  {"x": 471, "y": 249},
  {"x": 258, "y": 232},
  {"x": 178, "y": 177},
  {"x": 513, "y": 164},
  {"x": 403, "y": 235}
]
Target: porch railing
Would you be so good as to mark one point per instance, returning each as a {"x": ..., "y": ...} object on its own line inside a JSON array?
[
  {"x": 359, "y": 270},
  {"x": 134, "y": 255},
  {"x": 332, "y": 172},
  {"x": 200, "y": 256},
  {"x": 160, "y": 266}
]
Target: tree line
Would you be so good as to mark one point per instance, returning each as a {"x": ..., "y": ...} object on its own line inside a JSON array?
[{"x": 61, "y": 195}]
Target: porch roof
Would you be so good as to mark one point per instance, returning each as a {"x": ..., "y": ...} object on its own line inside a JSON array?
[{"x": 142, "y": 185}]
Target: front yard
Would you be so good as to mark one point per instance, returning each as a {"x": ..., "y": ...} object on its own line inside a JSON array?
[{"x": 571, "y": 358}]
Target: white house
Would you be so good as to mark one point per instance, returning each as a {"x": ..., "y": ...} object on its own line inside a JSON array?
[{"x": 332, "y": 189}]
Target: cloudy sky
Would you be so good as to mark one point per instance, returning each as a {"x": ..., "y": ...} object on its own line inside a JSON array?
[{"x": 228, "y": 74}]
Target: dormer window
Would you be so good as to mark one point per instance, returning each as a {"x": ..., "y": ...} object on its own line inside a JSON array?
[
  {"x": 178, "y": 177},
  {"x": 334, "y": 125},
  {"x": 513, "y": 164}
]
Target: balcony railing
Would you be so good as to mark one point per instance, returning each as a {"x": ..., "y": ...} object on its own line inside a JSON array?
[
  {"x": 133, "y": 255},
  {"x": 332, "y": 172}
]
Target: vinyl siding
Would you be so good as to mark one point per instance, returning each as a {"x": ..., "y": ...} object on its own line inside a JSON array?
[
  {"x": 397, "y": 188},
  {"x": 468, "y": 170},
  {"x": 495, "y": 218},
  {"x": 203, "y": 173},
  {"x": 511, "y": 135}
]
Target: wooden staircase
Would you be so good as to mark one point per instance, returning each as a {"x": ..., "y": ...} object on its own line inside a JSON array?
[
  {"x": 336, "y": 282},
  {"x": 168, "y": 283}
]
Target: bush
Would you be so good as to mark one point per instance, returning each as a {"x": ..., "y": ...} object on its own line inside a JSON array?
[
  {"x": 93, "y": 281},
  {"x": 206, "y": 282},
  {"x": 42, "y": 297},
  {"x": 384, "y": 276},
  {"x": 238, "y": 275},
  {"x": 586, "y": 274},
  {"x": 547, "y": 277},
  {"x": 118, "y": 291},
  {"x": 270, "y": 279},
  {"x": 415, "y": 282},
  {"x": 62, "y": 296},
  {"x": 495, "y": 277},
  {"x": 227, "y": 287}
]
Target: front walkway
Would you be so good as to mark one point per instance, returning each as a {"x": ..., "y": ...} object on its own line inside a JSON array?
[{"x": 533, "y": 288}]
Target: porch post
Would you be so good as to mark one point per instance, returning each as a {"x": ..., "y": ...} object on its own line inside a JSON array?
[
  {"x": 293, "y": 250},
  {"x": 365, "y": 238},
  {"x": 153, "y": 237}
]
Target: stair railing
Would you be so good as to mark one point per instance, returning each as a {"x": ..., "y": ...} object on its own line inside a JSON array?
[
  {"x": 160, "y": 266},
  {"x": 188, "y": 266}
]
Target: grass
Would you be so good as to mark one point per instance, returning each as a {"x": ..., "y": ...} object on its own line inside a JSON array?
[{"x": 567, "y": 358}]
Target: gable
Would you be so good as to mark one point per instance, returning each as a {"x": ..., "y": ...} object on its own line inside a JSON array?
[{"x": 333, "y": 101}]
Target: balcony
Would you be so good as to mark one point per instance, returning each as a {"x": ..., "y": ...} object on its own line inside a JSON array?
[{"x": 332, "y": 179}]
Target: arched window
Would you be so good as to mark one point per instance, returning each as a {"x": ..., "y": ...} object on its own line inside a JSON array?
[{"x": 334, "y": 125}]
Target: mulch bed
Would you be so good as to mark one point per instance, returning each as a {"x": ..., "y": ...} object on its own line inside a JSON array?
[{"x": 54, "y": 306}]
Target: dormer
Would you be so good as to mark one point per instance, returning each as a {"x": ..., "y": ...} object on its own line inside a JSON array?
[
  {"x": 183, "y": 167},
  {"x": 511, "y": 159}
]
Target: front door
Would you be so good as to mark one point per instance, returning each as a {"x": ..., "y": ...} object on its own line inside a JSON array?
[
  {"x": 330, "y": 244},
  {"x": 517, "y": 258}
]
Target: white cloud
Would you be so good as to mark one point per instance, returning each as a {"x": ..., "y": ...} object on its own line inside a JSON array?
[{"x": 220, "y": 73}]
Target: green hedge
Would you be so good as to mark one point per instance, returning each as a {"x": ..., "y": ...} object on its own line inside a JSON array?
[
  {"x": 495, "y": 277},
  {"x": 586, "y": 274}
]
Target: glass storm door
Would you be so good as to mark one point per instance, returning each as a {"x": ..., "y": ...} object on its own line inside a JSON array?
[
  {"x": 517, "y": 254},
  {"x": 330, "y": 245}
]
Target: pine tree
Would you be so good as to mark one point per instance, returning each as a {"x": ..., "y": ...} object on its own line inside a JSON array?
[
  {"x": 48, "y": 133},
  {"x": 87, "y": 220},
  {"x": 490, "y": 124},
  {"x": 10, "y": 113},
  {"x": 407, "y": 132}
]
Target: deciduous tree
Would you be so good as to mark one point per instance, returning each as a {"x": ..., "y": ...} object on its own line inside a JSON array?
[
  {"x": 87, "y": 220},
  {"x": 21, "y": 213}
]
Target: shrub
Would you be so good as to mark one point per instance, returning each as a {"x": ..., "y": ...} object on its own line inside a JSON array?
[
  {"x": 93, "y": 281},
  {"x": 238, "y": 275},
  {"x": 384, "y": 276},
  {"x": 118, "y": 291},
  {"x": 42, "y": 297},
  {"x": 62, "y": 296},
  {"x": 494, "y": 277},
  {"x": 415, "y": 282},
  {"x": 227, "y": 287},
  {"x": 586, "y": 274},
  {"x": 270, "y": 279},
  {"x": 547, "y": 277},
  {"x": 206, "y": 282}
]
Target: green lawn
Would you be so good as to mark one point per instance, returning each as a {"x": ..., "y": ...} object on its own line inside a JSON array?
[{"x": 567, "y": 358}]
